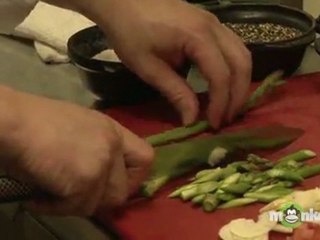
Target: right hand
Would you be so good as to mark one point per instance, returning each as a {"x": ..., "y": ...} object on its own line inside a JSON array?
[
  {"x": 307, "y": 231},
  {"x": 153, "y": 38},
  {"x": 81, "y": 156}
]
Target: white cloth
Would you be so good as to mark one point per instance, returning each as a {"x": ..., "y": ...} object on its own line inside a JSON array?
[
  {"x": 12, "y": 12},
  {"x": 51, "y": 27}
]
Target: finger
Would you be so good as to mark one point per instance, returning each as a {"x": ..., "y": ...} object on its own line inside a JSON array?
[
  {"x": 211, "y": 63},
  {"x": 116, "y": 187},
  {"x": 138, "y": 157},
  {"x": 239, "y": 59},
  {"x": 316, "y": 232},
  {"x": 161, "y": 76}
]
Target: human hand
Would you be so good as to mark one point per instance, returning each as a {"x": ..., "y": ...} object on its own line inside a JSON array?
[
  {"x": 307, "y": 231},
  {"x": 82, "y": 157},
  {"x": 153, "y": 38}
]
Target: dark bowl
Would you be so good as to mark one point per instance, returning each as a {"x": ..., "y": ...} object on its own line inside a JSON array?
[
  {"x": 268, "y": 57},
  {"x": 114, "y": 83}
]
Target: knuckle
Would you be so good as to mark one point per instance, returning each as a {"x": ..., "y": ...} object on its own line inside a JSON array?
[
  {"x": 203, "y": 26},
  {"x": 244, "y": 66},
  {"x": 113, "y": 138},
  {"x": 223, "y": 82},
  {"x": 205, "y": 23},
  {"x": 179, "y": 97},
  {"x": 214, "y": 19},
  {"x": 149, "y": 156},
  {"x": 88, "y": 176},
  {"x": 248, "y": 57}
]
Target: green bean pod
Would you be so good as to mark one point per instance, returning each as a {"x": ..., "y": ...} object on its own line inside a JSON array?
[
  {"x": 238, "y": 202},
  {"x": 309, "y": 171},
  {"x": 237, "y": 188},
  {"x": 210, "y": 202},
  {"x": 269, "y": 195}
]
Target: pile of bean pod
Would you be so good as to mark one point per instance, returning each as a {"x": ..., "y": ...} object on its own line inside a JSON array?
[{"x": 244, "y": 182}]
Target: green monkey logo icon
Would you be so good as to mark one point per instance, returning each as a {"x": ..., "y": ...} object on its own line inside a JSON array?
[{"x": 291, "y": 215}]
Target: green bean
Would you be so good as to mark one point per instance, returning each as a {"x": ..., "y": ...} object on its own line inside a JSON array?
[
  {"x": 247, "y": 167},
  {"x": 218, "y": 174},
  {"x": 291, "y": 164},
  {"x": 210, "y": 203},
  {"x": 178, "y": 191},
  {"x": 269, "y": 195},
  {"x": 207, "y": 187},
  {"x": 225, "y": 197},
  {"x": 255, "y": 187},
  {"x": 178, "y": 133},
  {"x": 260, "y": 178},
  {"x": 268, "y": 85},
  {"x": 231, "y": 179},
  {"x": 298, "y": 156},
  {"x": 256, "y": 159},
  {"x": 237, "y": 188},
  {"x": 214, "y": 175},
  {"x": 188, "y": 194},
  {"x": 198, "y": 199},
  {"x": 238, "y": 202},
  {"x": 309, "y": 171},
  {"x": 202, "y": 188},
  {"x": 149, "y": 188},
  {"x": 246, "y": 178},
  {"x": 284, "y": 184},
  {"x": 266, "y": 188},
  {"x": 227, "y": 172},
  {"x": 284, "y": 175},
  {"x": 237, "y": 164},
  {"x": 205, "y": 172}
]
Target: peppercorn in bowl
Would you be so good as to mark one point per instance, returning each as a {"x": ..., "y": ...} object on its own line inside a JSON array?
[{"x": 276, "y": 35}]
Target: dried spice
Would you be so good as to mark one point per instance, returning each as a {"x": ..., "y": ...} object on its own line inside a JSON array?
[{"x": 263, "y": 32}]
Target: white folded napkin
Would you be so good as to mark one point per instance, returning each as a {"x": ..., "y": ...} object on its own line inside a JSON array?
[{"x": 51, "y": 27}]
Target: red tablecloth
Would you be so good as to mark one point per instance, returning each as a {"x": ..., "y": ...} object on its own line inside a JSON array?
[{"x": 297, "y": 105}]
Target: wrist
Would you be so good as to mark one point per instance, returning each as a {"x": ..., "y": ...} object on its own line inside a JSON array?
[
  {"x": 103, "y": 12},
  {"x": 9, "y": 123}
]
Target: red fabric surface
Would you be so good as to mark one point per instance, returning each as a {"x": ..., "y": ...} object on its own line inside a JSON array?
[{"x": 296, "y": 105}]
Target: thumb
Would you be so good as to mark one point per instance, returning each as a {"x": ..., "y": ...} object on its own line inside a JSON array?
[
  {"x": 138, "y": 157},
  {"x": 160, "y": 75}
]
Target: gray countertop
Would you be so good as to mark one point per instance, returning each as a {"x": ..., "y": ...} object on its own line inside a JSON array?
[{"x": 21, "y": 68}]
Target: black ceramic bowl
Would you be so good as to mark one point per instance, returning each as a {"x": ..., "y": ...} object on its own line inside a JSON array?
[
  {"x": 111, "y": 81},
  {"x": 268, "y": 57}
]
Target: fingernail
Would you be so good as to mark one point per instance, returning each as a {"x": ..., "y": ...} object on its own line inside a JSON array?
[
  {"x": 188, "y": 115},
  {"x": 215, "y": 123},
  {"x": 214, "y": 117},
  {"x": 187, "y": 121}
]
